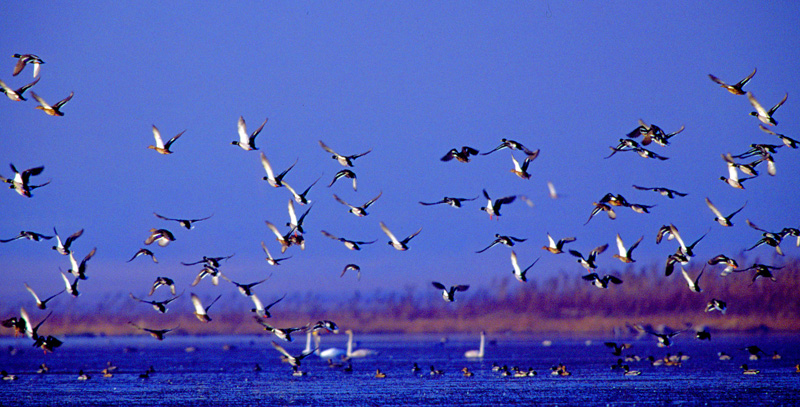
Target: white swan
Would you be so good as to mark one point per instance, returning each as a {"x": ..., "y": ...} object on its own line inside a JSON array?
[
  {"x": 477, "y": 353},
  {"x": 330, "y": 353},
  {"x": 358, "y": 353}
]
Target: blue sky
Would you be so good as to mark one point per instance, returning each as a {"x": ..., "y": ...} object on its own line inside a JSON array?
[{"x": 409, "y": 80}]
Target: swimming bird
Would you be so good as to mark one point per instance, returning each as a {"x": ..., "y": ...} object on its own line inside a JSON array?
[
  {"x": 160, "y": 306},
  {"x": 345, "y": 174},
  {"x": 275, "y": 181},
  {"x": 765, "y": 116},
  {"x": 601, "y": 282},
  {"x": 454, "y": 202},
  {"x": 694, "y": 285},
  {"x": 358, "y": 210},
  {"x": 247, "y": 142},
  {"x": 260, "y": 309},
  {"x": 163, "y": 281},
  {"x": 271, "y": 260},
  {"x": 160, "y": 146},
  {"x": 521, "y": 170},
  {"x": 329, "y": 353},
  {"x": 669, "y": 193},
  {"x": 401, "y": 245},
  {"x": 352, "y": 267},
  {"x": 746, "y": 370},
  {"x": 301, "y": 197},
  {"x": 723, "y": 220},
  {"x": 188, "y": 224},
  {"x": 461, "y": 156},
  {"x": 502, "y": 239},
  {"x": 282, "y": 333},
  {"x": 293, "y": 360},
  {"x": 493, "y": 207},
  {"x": 514, "y": 145},
  {"x": 54, "y": 110},
  {"x": 42, "y": 304},
  {"x": 144, "y": 252},
  {"x": 436, "y": 372},
  {"x": 21, "y": 180},
  {"x": 16, "y": 95},
  {"x": 617, "y": 348},
  {"x": 200, "y": 311},
  {"x": 703, "y": 335},
  {"x": 716, "y": 305},
  {"x": 71, "y": 288},
  {"x": 23, "y": 60},
  {"x": 350, "y": 244},
  {"x": 787, "y": 141},
  {"x": 24, "y": 234},
  {"x": 625, "y": 254},
  {"x": 477, "y": 354},
  {"x": 379, "y": 374},
  {"x": 358, "y": 353},
  {"x": 344, "y": 160},
  {"x": 161, "y": 236},
  {"x": 521, "y": 275},
  {"x": 736, "y": 88},
  {"x": 155, "y": 333},
  {"x": 466, "y": 372},
  {"x": 629, "y": 372},
  {"x": 64, "y": 248},
  {"x": 730, "y": 264},
  {"x": 557, "y": 247},
  {"x": 589, "y": 262},
  {"x": 448, "y": 294},
  {"x": 79, "y": 270}
]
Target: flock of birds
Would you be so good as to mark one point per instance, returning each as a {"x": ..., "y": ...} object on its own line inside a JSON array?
[{"x": 292, "y": 233}]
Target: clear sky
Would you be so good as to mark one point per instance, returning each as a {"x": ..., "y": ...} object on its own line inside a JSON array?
[{"x": 409, "y": 80}]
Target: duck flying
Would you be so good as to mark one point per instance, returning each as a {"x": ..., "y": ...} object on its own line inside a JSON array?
[
  {"x": 716, "y": 305},
  {"x": 625, "y": 254},
  {"x": 293, "y": 360},
  {"x": 247, "y": 142},
  {"x": 454, "y": 202},
  {"x": 159, "y": 306},
  {"x": 188, "y": 224},
  {"x": 557, "y": 247},
  {"x": 41, "y": 304},
  {"x": 723, "y": 220},
  {"x": 501, "y": 239},
  {"x": 344, "y": 160},
  {"x": 79, "y": 270},
  {"x": 161, "y": 147},
  {"x": 54, "y": 110},
  {"x": 493, "y": 207},
  {"x": 144, "y": 252},
  {"x": 730, "y": 264},
  {"x": 260, "y": 309},
  {"x": 694, "y": 285},
  {"x": 664, "y": 339},
  {"x": 765, "y": 116},
  {"x": 271, "y": 260},
  {"x": 155, "y": 333},
  {"x": 163, "y": 281},
  {"x": 285, "y": 240},
  {"x": 27, "y": 235},
  {"x": 520, "y": 274},
  {"x": 23, "y": 60},
  {"x": 245, "y": 289},
  {"x": 588, "y": 262},
  {"x": 521, "y": 170},
  {"x": 514, "y": 145},
  {"x": 688, "y": 251},
  {"x": 733, "y": 173},
  {"x": 358, "y": 210},
  {"x": 205, "y": 272},
  {"x": 787, "y": 141},
  {"x": 669, "y": 193},
  {"x": 448, "y": 294},
  {"x": 350, "y": 244},
  {"x": 461, "y": 156},
  {"x": 21, "y": 180},
  {"x": 601, "y": 282},
  {"x": 401, "y": 245},
  {"x": 300, "y": 198},
  {"x": 162, "y": 237},
  {"x": 601, "y": 207},
  {"x": 345, "y": 174},
  {"x": 736, "y": 88},
  {"x": 274, "y": 181},
  {"x": 64, "y": 248},
  {"x": 16, "y": 95},
  {"x": 71, "y": 288},
  {"x": 200, "y": 311},
  {"x": 295, "y": 222},
  {"x": 354, "y": 267},
  {"x": 282, "y": 333}
]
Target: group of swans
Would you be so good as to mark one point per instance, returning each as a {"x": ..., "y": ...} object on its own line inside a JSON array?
[{"x": 333, "y": 353}]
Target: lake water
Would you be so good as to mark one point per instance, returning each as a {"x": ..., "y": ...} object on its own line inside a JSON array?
[{"x": 220, "y": 371}]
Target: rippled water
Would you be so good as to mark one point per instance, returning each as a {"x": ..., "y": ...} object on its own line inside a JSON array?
[{"x": 220, "y": 371}]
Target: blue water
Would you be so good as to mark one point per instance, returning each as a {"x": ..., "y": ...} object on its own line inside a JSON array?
[{"x": 220, "y": 371}]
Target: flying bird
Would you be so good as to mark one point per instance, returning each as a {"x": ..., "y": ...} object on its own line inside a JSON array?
[
  {"x": 23, "y": 60},
  {"x": 16, "y": 95},
  {"x": 493, "y": 207},
  {"x": 79, "y": 270},
  {"x": 557, "y": 247},
  {"x": 344, "y": 160},
  {"x": 301, "y": 197},
  {"x": 765, "y": 116},
  {"x": 723, "y": 220},
  {"x": 54, "y": 110},
  {"x": 350, "y": 244},
  {"x": 454, "y": 202},
  {"x": 501, "y": 239},
  {"x": 345, "y": 174},
  {"x": 358, "y": 210},
  {"x": 730, "y": 264},
  {"x": 293, "y": 360},
  {"x": 247, "y": 142},
  {"x": 260, "y": 309},
  {"x": 200, "y": 311},
  {"x": 736, "y": 88},
  {"x": 787, "y": 141},
  {"x": 694, "y": 285},
  {"x": 716, "y": 305},
  {"x": 160, "y": 146},
  {"x": 64, "y": 248},
  {"x": 588, "y": 262},
  {"x": 24, "y": 234},
  {"x": 401, "y": 245},
  {"x": 270, "y": 177},
  {"x": 282, "y": 333},
  {"x": 163, "y": 281},
  {"x": 460, "y": 156},
  {"x": 285, "y": 240},
  {"x": 669, "y": 193},
  {"x": 295, "y": 222},
  {"x": 521, "y": 170},
  {"x": 161, "y": 236},
  {"x": 188, "y": 224},
  {"x": 601, "y": 282},
  {"x": 21, "y": 180},
  {"x": 245, "y": 289},
  {"x": 160, "y": 306},
  {"x": 41, "y": 304},
  {"x": 352, "y": 267},
  {"x": 514, "y": 145},
  {"x": 271, "y": 260},
  {"x": 156, "y": 333},
  {"x": 448, "y": 294},
  {"x": 520, "y": 274},
  {"x": 144, "y": 252},
  {"x": 625, "y": 254}
]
